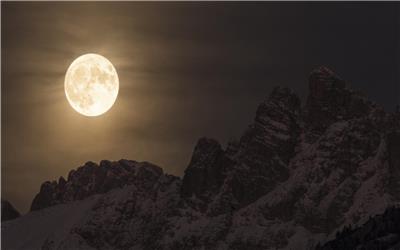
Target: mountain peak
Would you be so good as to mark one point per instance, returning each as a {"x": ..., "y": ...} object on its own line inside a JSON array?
[
  {"x": 330, "y": 100},
  {"x": 325, "y": 76},
  {"x": 202, "y": 172},
  {"x": 286, "y": 97},
  {"x": 8, "y": 212}
]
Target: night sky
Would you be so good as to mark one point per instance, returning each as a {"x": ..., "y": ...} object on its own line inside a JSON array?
[{"x": 186, "y": 70}]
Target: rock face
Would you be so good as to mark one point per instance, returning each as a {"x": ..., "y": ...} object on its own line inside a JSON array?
[
  {"x": 8, "y": 212},
  {"x": 91, "y": 179},
  {"x": 203, "y": 172},
  {"x": 330, "y": 100},
  {"x": 294, "y": 178}
]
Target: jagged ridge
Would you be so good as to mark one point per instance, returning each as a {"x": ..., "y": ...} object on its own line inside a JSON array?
[
  {"x": 91, "y": 179},
  {"x": 296, "y": 176}
]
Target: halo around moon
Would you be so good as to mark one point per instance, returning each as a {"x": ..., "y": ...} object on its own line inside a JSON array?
[{"x": 91, "y": 84}]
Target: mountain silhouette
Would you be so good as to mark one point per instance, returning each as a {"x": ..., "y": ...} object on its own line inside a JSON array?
[{"x": 297, "y": 176}]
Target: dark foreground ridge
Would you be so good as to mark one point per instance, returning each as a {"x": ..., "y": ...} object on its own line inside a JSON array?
[
  {"x": 296, "y": 176},
  {"x": 8, "y": 212},
  {"x": 380, "y": 232}
]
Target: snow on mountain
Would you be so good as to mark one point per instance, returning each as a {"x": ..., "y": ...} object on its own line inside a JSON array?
[{"x": 293, "y": 179}]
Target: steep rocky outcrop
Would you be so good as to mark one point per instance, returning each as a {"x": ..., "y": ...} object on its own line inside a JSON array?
[
  {"x": 330, "y": 100},
  {"x": 203, "y": 172},
  {"x": 259, "y": 161},
  {"x": 8, "y": 212},
  {"x": 91, "y": 179},
  {"x": 296, "y": 176}
]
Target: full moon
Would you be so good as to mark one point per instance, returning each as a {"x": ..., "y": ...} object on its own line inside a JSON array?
[{"x": 91, "y": 84}]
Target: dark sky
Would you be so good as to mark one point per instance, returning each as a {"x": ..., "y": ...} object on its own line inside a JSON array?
[{"x": 186, "y": 70}]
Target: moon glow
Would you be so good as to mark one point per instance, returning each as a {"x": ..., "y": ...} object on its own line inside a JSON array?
[{"x": 91, "y": 84}]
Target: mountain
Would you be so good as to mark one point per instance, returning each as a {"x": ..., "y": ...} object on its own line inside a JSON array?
[
  {"x": 8, "y": 212},
  {"x": 297, "y": 176}
]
